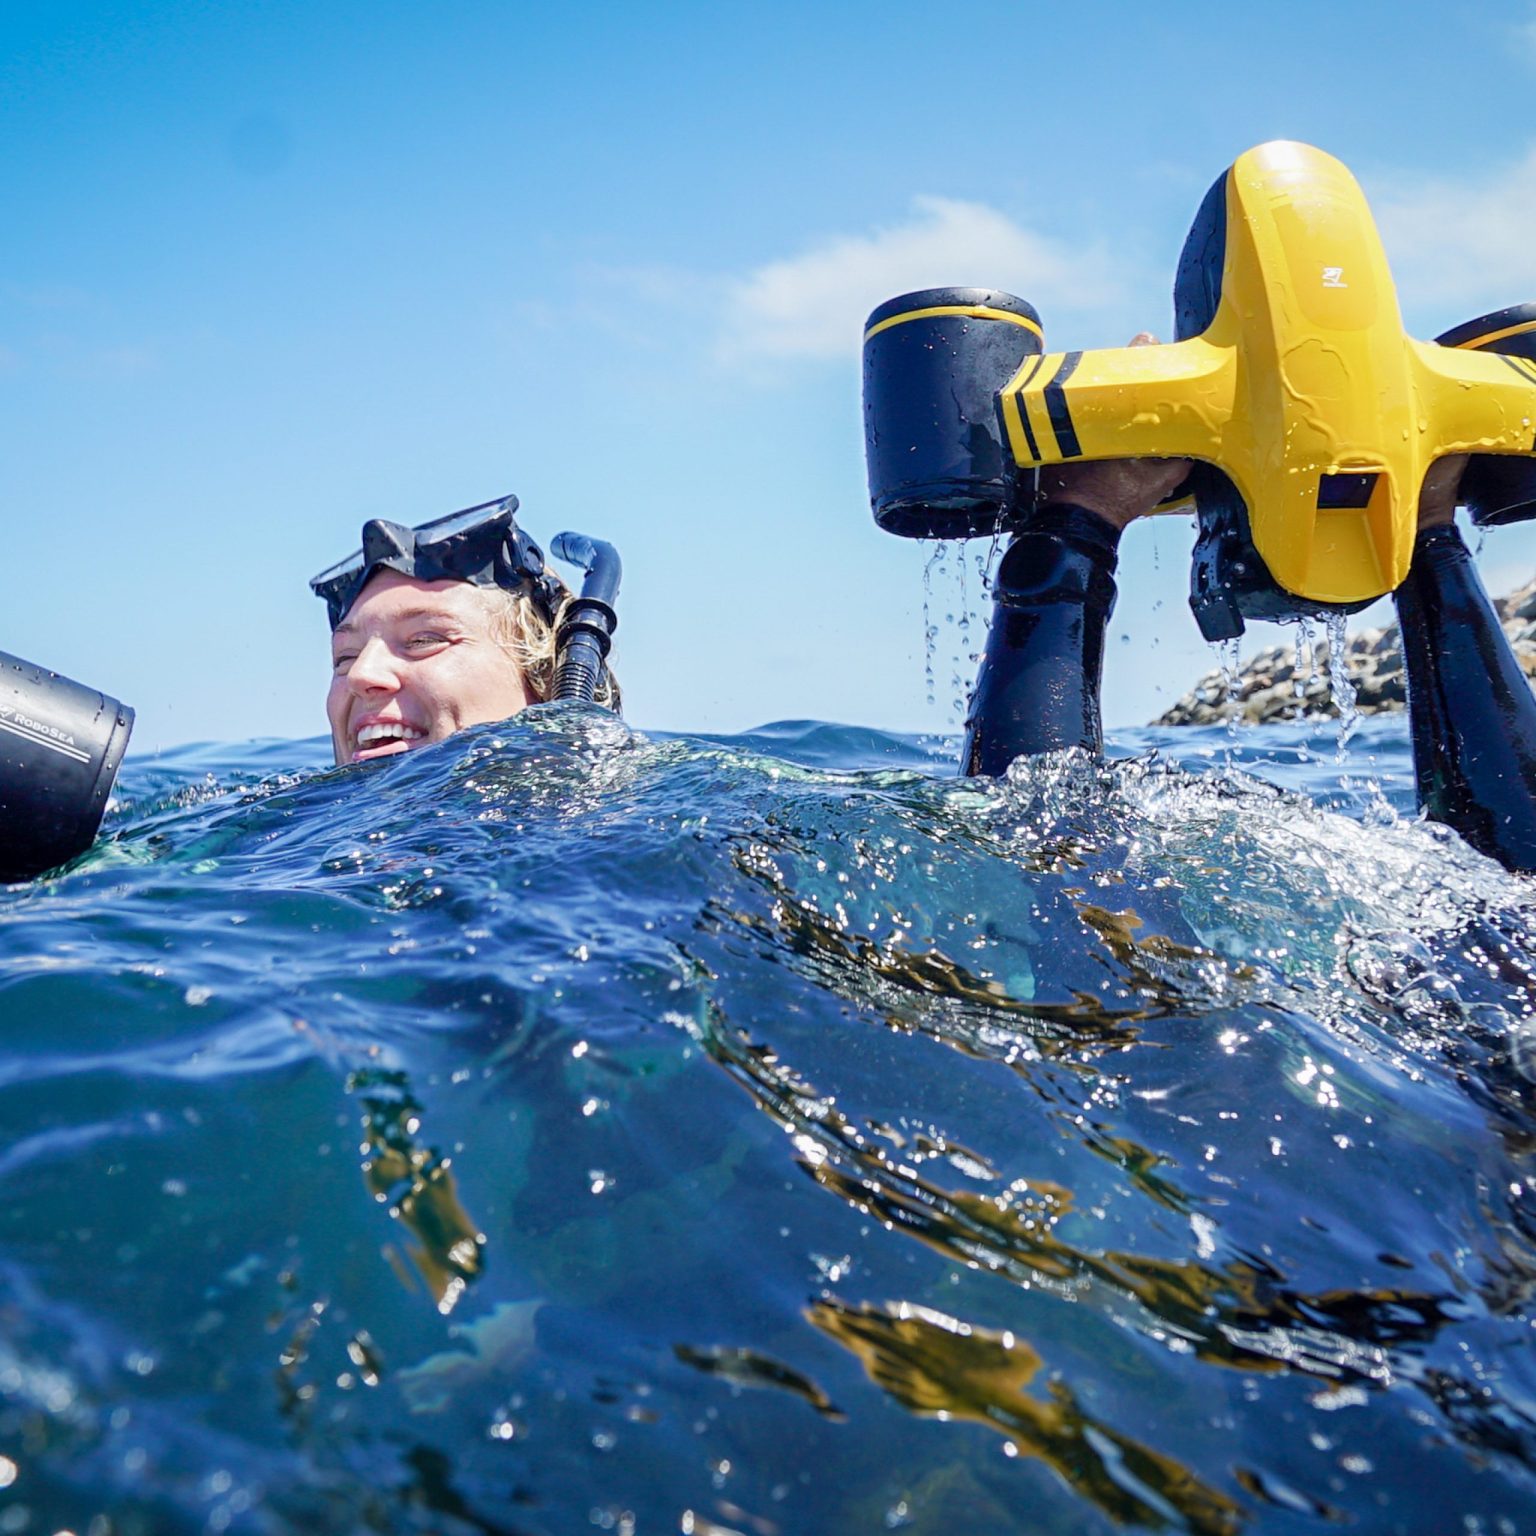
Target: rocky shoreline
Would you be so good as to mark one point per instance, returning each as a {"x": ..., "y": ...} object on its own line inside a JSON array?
[{"x": 1267, "y": 686}]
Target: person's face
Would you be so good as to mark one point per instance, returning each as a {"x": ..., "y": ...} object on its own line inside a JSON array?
[{"x": 413, "y": 662}]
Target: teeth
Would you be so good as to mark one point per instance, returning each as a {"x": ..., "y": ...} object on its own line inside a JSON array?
[{"x": 391, "y": 730}]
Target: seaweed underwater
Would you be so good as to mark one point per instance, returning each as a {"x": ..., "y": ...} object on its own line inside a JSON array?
[{"x": 561, "y": 1127}]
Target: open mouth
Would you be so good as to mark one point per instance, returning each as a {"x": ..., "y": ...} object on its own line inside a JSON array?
[{"x": 386, "y": 737}]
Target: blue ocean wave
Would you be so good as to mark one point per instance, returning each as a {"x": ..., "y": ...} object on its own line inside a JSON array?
[{"x": 564, "y": 1127}]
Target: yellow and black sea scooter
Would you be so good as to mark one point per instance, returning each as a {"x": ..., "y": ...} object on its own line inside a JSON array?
[{"x": 1311, "y": 416}]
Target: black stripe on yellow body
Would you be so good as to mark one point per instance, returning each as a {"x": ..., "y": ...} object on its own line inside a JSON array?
[
  {"x": 1519, "y": 364},
  {"x": 1029, "y": 431},
  {"x": 1055, "y": 397}
]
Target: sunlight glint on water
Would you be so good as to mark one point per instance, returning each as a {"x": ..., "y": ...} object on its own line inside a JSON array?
[{"x": 561, "y": 1129}]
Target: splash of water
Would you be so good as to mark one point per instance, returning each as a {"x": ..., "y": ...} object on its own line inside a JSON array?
[{"x": 802, "y": 1137}]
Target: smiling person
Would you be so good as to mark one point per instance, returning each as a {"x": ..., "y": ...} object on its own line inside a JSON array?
[{"x": 454, "y": 623}]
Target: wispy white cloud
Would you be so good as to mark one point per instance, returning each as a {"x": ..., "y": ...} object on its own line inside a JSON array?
[
  {"x": 813, "y": 305},
  {"x": 1465, "y": 245}
]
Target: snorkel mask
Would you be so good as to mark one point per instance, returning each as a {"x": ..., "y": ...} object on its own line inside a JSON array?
[{"x": 482, "y": 545}]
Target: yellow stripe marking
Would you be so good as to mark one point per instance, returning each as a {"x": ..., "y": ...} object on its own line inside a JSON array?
[
  {"x": 1014, "y": 430},
  {"x": 1033, "y": 394},
  {"x": 974, "y": 311},
  {"x": 1027, "y": 428},
  {"x": 1483, "y": 341}
]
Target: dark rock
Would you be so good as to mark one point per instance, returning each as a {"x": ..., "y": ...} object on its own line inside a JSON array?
[
  {"x": 1265, "y": 687},
  {"x": 1520, "y": 604}
]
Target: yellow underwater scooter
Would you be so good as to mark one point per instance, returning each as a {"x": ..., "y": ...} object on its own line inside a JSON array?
[{"x": 1310, "y": 414}]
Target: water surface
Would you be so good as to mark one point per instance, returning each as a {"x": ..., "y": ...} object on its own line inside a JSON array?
[{"x": 562, "y": 1128}]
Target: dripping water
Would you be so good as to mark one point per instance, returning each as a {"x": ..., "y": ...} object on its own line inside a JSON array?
[
  {"x": 986, "y": 562},
  {"x": 933, "y": 566},
  {"x": 959, "y": 682},
  {"x": 954, "y": 635},
  {"x": 1229, "y": 652},
  {"x": 1339, "y": 682},
  {"x": 1301, "y": 681}
]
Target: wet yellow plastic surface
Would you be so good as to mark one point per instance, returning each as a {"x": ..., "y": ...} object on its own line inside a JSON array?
[{"x": 1305, "y": 371}]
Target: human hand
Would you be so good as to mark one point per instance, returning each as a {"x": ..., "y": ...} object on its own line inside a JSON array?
[
  {"x": 1437, "y": 496},
  {"x": 1118, "y": 490}
]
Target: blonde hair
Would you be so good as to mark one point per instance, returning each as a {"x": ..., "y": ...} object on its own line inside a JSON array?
[{"x": 528, "y": 638}]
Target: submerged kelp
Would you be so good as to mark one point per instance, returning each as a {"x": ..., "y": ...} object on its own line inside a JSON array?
[{"x": 560, "y": 1129}]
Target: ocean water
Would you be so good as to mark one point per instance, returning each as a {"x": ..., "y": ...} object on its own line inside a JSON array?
[{"x": 563, "y": 1128}]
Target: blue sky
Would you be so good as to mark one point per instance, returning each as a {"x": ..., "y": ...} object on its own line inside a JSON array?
[{"x": 273, "y": 268}]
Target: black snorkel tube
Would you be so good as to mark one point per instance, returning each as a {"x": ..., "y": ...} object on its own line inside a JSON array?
[
  {"x": 587, "y": 626},
  {"x": 60, "y": 747}
]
